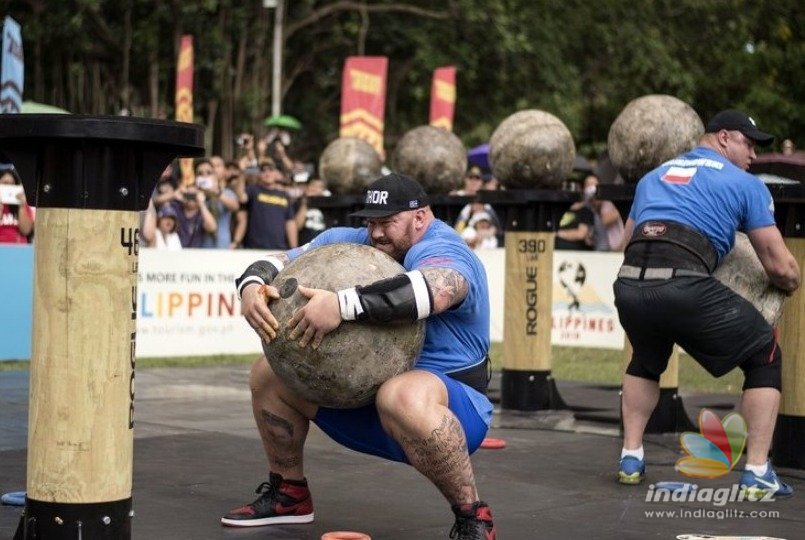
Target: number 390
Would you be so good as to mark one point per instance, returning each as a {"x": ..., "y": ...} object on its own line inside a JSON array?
[{"x": 532, "y": 245}]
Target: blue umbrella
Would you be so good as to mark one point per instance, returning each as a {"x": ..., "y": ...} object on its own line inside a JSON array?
[{"x": 479, "y": 156}]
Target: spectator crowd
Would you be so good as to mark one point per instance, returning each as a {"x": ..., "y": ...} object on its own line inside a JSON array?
[{"x": 260, "y": 201}]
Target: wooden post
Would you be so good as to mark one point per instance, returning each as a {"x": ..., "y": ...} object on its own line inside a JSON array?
[
  {"x": 80, "y": 438},
  {"x": 789, "y": 435},
  {"x": 531, "y": 217},
  {"x": 88, "y": 177},
  {"x": 527, "y": 322}
]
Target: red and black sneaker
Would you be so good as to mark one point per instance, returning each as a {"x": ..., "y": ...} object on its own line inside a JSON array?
[
  {"x": 473, "y": 522},
  {"x": 280, "y": 501}
]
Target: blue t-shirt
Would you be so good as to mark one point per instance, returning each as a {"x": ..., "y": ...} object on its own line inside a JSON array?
[
  {"x": 704, "y": 190},
  {"x": 269, "y": 209},
  {"x": 454, "y": 339}
]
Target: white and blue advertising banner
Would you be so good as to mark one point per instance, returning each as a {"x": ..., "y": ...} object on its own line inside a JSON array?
[
  {"x": 583, "y": 307},
  {"x": 16, "y": 307},
  {"x": 12, "y": 74},
  {"x": 187, "y": 304}
]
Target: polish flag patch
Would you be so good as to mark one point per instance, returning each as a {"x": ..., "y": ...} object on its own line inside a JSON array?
[{"x": 679, "y": 175}]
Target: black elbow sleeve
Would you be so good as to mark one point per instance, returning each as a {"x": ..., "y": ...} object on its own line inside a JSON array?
[{"x": 405, "y": 297}]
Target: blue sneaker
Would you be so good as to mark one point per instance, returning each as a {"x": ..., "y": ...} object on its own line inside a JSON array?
[
  {"x": 757, "y": 487},
  {"x": 631, "y": 470}
]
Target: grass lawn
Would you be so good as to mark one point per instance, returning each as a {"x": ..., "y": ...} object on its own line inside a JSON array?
[
  {"x": 605, "y": 366},
  {"x": 602, "y": 366}
]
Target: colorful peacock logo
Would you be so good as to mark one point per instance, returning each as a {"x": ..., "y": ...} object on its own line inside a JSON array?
[{"x": 716, "y": 450}]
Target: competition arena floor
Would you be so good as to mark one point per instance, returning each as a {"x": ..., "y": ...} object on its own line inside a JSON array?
[{"x": 197, "y": 454}]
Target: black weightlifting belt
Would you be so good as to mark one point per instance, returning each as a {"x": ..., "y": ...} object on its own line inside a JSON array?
[
  {"x": 476, "y": 376},
  {"x": 666, "y": 249}
]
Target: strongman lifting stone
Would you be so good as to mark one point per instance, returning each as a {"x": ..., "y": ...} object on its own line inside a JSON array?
[{"x": 356, "y": 358}]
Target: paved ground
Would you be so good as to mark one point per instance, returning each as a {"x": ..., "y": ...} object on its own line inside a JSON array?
[{"x": 197, "y": 455}]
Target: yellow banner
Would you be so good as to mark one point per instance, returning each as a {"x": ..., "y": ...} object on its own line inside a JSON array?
[{"x": 184, "y": 98}]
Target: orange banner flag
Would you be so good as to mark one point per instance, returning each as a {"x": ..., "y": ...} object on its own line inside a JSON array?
[
  {"x": 443, "y": 97},
  {"x": 363, "y": 99},
  {"x": 184, "y": 98}
]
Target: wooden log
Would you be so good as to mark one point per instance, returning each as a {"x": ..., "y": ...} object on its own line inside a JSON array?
[
  {"x": 526, "y": 380},
  {"x": 792, "y": 343},
  {"x": 527, "y": 301},
  {"x": 80, "y": 439}
]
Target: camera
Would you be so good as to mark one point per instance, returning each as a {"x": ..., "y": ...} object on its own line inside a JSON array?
[
  {"x": 8, "y": 193},
  {"x": 205, "y": 182}
]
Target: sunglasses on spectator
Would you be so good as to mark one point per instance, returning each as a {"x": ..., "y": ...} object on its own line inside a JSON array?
[
  {"x": 474, "y": 177},
  {"x": 205, "y": 172},
  {"x": 267, "y": 167}
]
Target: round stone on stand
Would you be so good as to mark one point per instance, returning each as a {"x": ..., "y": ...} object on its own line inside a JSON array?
[
  {"x": 532, "y": 149},
  {"x": 649, "y": 131},
  {"x": 434, "y": 157},
  {"x": 348, "y": 165}
]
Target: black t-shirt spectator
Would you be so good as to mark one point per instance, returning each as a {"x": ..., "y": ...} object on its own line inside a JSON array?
[{"x": 571, "y": 220}]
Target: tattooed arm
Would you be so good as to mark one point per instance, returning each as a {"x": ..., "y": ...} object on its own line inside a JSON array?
[{"x": 447, "y": 287}]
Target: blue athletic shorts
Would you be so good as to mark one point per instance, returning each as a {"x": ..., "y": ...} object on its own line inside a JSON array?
[{"x": 360, "y": 429}]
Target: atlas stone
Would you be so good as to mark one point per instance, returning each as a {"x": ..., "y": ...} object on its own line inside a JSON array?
[
  {"x": 742, "y": 271},
  {"x": 356, "y": 358},
  {"x": 532, "y": 149},
  {"x": 348, "y": 165},
  {"x": 434, "y": 157},
  {"x": 649, "y": 131}
]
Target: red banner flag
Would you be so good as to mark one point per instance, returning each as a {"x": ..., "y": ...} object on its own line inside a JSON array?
[
  {"x": 363, "y": 99},
  {"x": 184, "y": 98},
  {"x": 443, "y": 97}
]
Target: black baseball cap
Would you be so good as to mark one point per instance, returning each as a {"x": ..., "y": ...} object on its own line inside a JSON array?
[
  {"x": 392, "y": 194},
  {"x": 733, "y": 120}
]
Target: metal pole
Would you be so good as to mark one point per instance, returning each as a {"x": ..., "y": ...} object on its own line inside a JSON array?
[{"x": 276, "y": 75}]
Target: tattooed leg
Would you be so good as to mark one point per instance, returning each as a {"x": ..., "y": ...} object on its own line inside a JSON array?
[
  {"x": 413, "y": 410},
  {"x": 282, "y": 420}
]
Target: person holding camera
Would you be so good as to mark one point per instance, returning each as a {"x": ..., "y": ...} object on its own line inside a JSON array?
[
  {"x": 193, "y": 218},
  {"x": 17, "y": 218},
  {"x": 221, "y": 201},
  {"x": 159, "y": 227}
]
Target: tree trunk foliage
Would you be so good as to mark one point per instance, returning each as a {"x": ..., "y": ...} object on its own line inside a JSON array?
[{"x": 581, "y": 61}]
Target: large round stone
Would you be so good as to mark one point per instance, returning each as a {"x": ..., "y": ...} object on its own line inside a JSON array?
[
  {"x": 649, "y": 131},
  {"x": 531, "y": 149},
  {"x": 434, "y": 157},
  {"x": 356, "y": 358},
  {"x": 348, "y": 165},
  {"x": 742, "y": 271}
]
